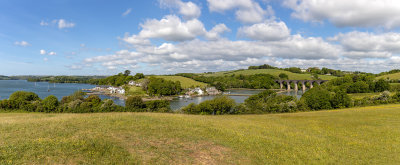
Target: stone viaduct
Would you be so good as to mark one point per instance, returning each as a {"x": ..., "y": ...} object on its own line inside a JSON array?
[{"x": 295, "y": 82}]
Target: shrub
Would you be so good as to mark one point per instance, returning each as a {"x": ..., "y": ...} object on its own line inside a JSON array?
[
  {"x": 134, "y": 103},
  {"x": 269, "y": 102},
  {"x": 317, "y": 98},
  {"x": 94, "y": 100},
  {"x": 381, "y": 85},
  {"x": 358, "y": 87},
  {"x": 340, "y": 99},
  {"x": 24, "y": 96},
  {"x": 158, "y": 106},
  {"x": 191, "y": 109},
  {"x": 217, "y": 106},
  {"x": 50, "y": 103}
]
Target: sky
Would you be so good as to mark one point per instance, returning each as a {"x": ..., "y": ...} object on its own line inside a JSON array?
[{"x": 105, "y": 37}]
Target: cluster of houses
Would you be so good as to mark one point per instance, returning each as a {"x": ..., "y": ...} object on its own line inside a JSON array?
[
  {"x": 198, "y": 91},
  {"x": 110, "y": 89},
  {"x": 134, "y": 83}
]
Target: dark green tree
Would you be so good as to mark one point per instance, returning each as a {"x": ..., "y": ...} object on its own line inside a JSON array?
[
  {"x": 134, "y": 103},
  {"x": 127, "y": 72},
  {"x": 381, "y": 85},
  {"x": 317, "y": 98},
  {"x": 283, "y": 76},
  {"x": 50, "y": 103}
]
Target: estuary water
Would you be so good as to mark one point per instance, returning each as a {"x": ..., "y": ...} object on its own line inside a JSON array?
[
  {"x": 44, "y": 89},
  {"x": 242, "y": 94}
]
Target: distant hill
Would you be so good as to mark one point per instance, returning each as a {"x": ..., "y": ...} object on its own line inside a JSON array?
[
  {"x": 185, "y": 82},
  {"x": 393, "y": 76},
  {"x": 274, "y": 72},
  {"x": 5, "y": 78}
]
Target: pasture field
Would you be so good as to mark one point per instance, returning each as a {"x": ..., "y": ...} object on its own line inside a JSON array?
[
  {"x": 394, "y": 76},
  {"x": 274, "y": 72},
  {"x": 185, "y": 82},
  {"x": 136, "y": 91},
  {"x": 362, "y": 95},
  {"x": 368, "y": 135}
]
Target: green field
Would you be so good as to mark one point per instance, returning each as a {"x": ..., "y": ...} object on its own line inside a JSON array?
[
  {"x": 368, "y": 135},
  {"x": 185, "y": 82},
  {"x": 274, "y": 72},
  {"x": 362, "y": 95},
  {"x": 135, "y": 91},
  {"x": 394, "y": 76}
]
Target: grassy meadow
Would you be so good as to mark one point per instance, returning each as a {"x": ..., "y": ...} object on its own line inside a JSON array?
[
  {"x": 274, "y": 72},
  {"x": 185, "y": 82},
  {"x": 368, "y": 135},
  {"x": 394, "y": 76}
]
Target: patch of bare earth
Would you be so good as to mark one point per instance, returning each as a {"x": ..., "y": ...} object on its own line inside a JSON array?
[{"x": 175, "y": 151}]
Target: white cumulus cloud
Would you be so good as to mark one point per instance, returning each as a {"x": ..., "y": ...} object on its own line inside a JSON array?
[
  {"x": 246, "y": 11},
  {"x": 188, "y": 10},
  {"x": 171, "y": 28},
  {"x": 369, "y": 45},
  {"x": 267, "y": 31},
  {"x": 348, "y": 13}
]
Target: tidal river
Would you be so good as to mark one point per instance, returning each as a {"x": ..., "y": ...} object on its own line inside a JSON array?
[{"x": 44, "y": 89}]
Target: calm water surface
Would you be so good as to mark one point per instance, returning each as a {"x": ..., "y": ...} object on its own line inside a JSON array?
[{"x": 44, "y": 89}]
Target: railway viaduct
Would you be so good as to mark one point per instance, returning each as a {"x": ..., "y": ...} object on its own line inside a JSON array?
[{"x": 295, "y": 82}]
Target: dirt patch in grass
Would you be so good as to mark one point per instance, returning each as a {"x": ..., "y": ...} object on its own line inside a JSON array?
[{"x": 174, "y": 151}]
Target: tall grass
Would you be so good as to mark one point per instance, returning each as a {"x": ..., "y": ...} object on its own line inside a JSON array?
[{"x": 368, "y": 135}]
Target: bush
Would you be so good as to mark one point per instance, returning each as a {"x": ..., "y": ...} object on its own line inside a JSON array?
[
  {"x": 317, "y": 98},
  {"x": 358, "y": 87},
  {"x": 50, "y": 103},
  {"x": 381, "y": 85},
  {"x": 94, "y": 100},
  {"x": 340, "y": 100},
  {"x": 24, "y": 96},
  {"x": 190, "y": 109},
  {"x": 269, "y": 102},
  {"x": 217, "y": 106},
  {"x": 134, "y": 103},
  {"x": 158, "y": 106}
]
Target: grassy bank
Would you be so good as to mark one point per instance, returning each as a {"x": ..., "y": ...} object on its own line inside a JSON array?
[
  {"x": 367, "y": 135},
  {"x": 185, "y": 82}
]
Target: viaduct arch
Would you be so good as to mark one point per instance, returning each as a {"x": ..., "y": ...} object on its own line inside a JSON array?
[{"x": 303, "y": 83}]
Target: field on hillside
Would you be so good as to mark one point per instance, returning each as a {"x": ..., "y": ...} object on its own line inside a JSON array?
[
  {"x": 274, "y": 72},
  {"x": 362, "y": 95},
  {"x": 185, "y": 82},
  {"x": 394, "y": 76},
  {"x": 368, "y": 135}
]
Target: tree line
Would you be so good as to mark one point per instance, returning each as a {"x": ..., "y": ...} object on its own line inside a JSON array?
[{"x": 76, "y": 103}]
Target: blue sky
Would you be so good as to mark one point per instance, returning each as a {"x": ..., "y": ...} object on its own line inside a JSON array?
[{"x": 93, "y": 37}]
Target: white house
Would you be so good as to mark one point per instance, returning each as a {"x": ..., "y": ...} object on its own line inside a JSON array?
[
  {"x": 212, "y": 91},
  {"x": 132, "y": 82},
  {"x": 199, "y": 91},
  {"x": 121, "y": 90}
]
